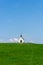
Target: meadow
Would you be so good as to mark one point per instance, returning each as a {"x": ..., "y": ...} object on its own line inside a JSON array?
[{"x": 21, "y": 54}]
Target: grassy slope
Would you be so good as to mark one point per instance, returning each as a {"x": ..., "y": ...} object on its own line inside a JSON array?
[{"x": 21, "y": 54}]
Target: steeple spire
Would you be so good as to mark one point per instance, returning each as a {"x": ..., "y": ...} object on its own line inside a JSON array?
[{"x": 20, "y": 35}]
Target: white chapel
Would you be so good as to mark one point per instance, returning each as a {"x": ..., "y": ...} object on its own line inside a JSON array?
[{"x": 21, "y": 39}]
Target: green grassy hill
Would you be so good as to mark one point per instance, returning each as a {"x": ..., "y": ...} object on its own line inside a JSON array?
[{"x": 21, "y": 54}]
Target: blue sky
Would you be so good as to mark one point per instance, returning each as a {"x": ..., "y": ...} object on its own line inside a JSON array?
[{"x": 21, "y": 17}]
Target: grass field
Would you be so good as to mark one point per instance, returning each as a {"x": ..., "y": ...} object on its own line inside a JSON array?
[{"x": 21, "y": 54}]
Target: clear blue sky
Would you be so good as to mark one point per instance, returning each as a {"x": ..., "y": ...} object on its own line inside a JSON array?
[{"x": 21, "y": 17}]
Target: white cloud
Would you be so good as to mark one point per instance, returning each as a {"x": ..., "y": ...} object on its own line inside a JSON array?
[
  {"x": 15, "y": 39},
  {"x": 10, "y": 40},
  {"x": 31, "y": 41}
]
